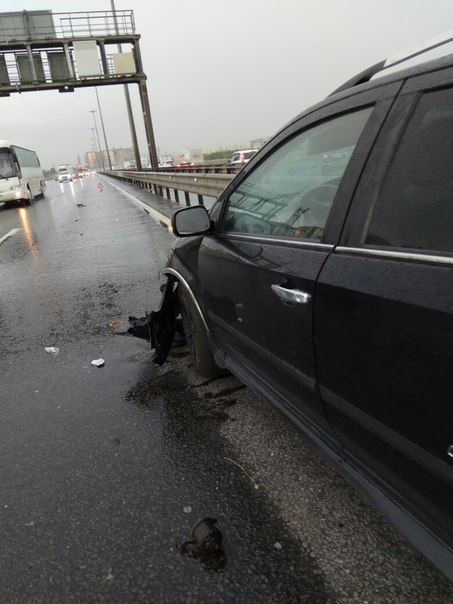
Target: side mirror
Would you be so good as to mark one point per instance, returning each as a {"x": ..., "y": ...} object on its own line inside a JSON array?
[{"x": 191, "y": 221}]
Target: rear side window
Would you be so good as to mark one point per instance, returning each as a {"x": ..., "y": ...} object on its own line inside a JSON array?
[
  {"x": 290, "y": 192},
  {"x": 415, "y": 206}
]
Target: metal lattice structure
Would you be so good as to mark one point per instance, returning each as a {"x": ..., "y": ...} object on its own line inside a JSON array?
[{"x": 42, "y": 50}]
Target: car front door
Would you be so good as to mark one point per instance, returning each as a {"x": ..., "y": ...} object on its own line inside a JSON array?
[
  {"x": 384, "y": 311},
  {"x": 279, "y": 224}
]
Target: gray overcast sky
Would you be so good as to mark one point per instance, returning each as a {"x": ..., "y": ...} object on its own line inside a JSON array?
[{"x": 220, "y": 73}]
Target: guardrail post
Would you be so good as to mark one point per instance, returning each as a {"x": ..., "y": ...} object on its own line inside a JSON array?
[
  {"x": 167, "y": 190},
  {"x": 200, "y": 199},
  {"x": 187, "y": 196},
  {"x": 176, "y": 195}
]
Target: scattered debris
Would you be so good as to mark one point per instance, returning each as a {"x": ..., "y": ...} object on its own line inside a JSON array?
[
  {"x": 187, "y": 509},
  {"x": 98, "y": 362},
  {"x": 140, "y": 328},
  {"x": 246, "y": 473},
  {"x": 277, "y": 545},
  {"x": 80, "y": 205},
  {"x": 52, "y": 350},
  {"x": 206, "y": 540},
  {"x": 159, "y": 326},
  {"x": 114, "y": 324},
  {"x": 100, "y": 187}
]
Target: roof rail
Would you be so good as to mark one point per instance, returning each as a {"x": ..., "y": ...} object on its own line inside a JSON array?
[{"x": 410, "y": 53}]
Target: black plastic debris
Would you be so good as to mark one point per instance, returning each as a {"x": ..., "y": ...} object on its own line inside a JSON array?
[
  {"x": 206, "y": 541},
  {"x": 140, "y": 328},
  {"x": 159, "y": 326},
  {"x": 80, "y": 205}
]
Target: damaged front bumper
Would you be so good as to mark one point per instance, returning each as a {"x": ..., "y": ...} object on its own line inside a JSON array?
[{"x": 160, "y": 326}]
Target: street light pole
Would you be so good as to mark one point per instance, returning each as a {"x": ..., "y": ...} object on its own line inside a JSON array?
[
  {"x": 96, "y": 154},
  {"x": 93, "y": 111},
  {"x": 103, "y": 129}
]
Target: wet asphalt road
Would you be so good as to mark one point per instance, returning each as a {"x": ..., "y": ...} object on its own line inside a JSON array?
[{"x": 104, "y": 471}]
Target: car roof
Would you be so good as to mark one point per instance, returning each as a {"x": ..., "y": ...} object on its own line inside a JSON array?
[{"x": 358, "y": 85}]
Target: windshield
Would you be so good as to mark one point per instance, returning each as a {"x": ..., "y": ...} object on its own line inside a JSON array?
[{"x": 7, "y": 169}]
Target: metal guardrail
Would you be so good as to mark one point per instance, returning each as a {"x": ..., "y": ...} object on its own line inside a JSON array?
[{"x": 203, "y": 185}]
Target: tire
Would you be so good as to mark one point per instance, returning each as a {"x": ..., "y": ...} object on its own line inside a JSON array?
[
  {"x": 29, "y": 199},
  {"x": 197, "y": 338}
]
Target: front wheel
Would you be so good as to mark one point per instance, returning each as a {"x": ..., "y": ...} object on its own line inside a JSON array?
[
  {"x": 197, "y": 338},
  {"x": 27, "y": 200}
]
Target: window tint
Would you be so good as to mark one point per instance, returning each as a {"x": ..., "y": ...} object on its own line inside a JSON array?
[
  {"x": 26, "y": 158},
  {"x": 291, "y": 192},
  {"x": 415, "y": 206}
]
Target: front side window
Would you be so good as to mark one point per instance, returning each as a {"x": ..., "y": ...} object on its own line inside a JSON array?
[
  {"x": 7, "y": 169},
  {"x": 291, "y": 192},
  {"x": 415, "y": 206}
]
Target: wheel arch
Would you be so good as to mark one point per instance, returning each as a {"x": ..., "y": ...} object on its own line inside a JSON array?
[{"x": 176, "y": 275}]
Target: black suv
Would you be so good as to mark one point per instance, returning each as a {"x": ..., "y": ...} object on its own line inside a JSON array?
[{"x": 323, "y": 279}]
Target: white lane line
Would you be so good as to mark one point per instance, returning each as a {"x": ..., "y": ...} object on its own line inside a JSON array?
[
  {"x": 8, "y": 235},
  {"x": 151, "y": 211}
]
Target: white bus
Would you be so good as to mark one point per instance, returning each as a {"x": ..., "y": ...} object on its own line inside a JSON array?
[{"x": 21, "y": 176}]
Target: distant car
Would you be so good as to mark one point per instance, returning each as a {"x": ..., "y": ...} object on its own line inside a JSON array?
[
  {"x": 169, "y": 163},
  {"x": 243, "y": 156},
  {"x": 185, "y": 164},
  {"x": 64, "y": 176}
]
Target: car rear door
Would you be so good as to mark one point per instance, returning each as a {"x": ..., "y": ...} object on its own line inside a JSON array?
[
  {"x": 383, "y": 322},
  {"x": 279, "y": 224}
]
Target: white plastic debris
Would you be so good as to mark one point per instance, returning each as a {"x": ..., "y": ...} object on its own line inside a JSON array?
[
  {"x": 187, "y": 509},
  {"x": 52, "y": 350},
  {"x": 277, "y": 545},
  {"x": 98, "y": 362}
]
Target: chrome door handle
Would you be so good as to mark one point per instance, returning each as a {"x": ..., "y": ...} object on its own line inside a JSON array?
[{"x": 291, "y": 296}]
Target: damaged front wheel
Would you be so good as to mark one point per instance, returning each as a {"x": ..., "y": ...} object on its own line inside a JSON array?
[{"x": 197, "y": 338}]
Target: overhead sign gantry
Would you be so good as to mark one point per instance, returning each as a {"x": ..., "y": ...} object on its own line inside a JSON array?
[{"x": 42, "y": 50}]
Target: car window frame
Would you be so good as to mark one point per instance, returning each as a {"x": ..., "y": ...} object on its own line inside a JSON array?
[
  {"x": 381, "y": 98},
  {"x": 385, "y": 148}
]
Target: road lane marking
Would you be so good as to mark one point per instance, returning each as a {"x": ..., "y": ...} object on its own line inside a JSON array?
[
  {"x": 154, "y": 213},
  {"x": 8, "y": 235}
]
